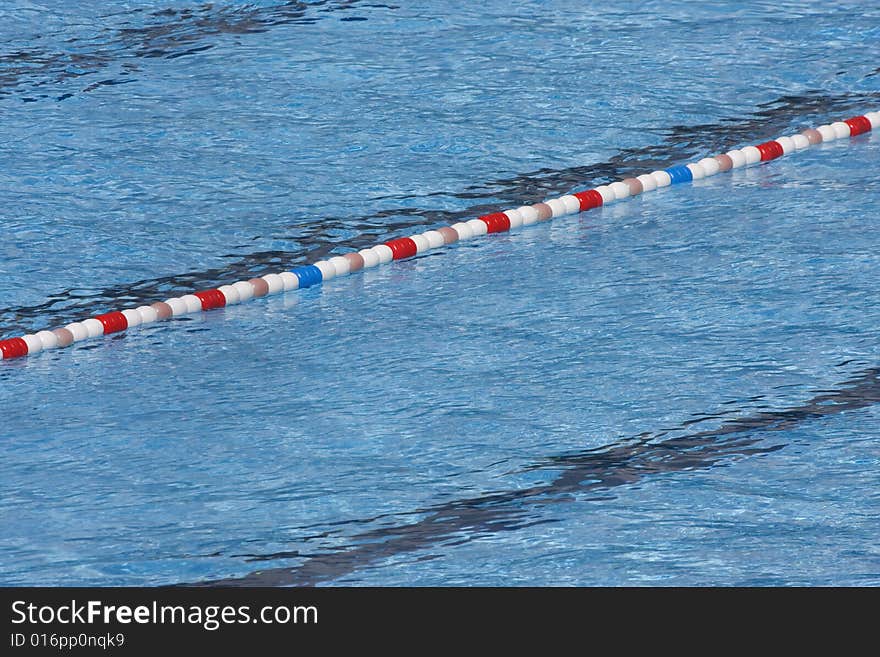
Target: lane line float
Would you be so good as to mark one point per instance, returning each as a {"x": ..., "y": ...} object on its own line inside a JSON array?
[{"x": 407, "y": 247}]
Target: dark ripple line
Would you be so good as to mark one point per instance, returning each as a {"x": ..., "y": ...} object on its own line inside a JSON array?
[
  {"x": 591, "y": 471},
  {"x": 179, "y": 33},
  {"x": 320, "y": 236}
]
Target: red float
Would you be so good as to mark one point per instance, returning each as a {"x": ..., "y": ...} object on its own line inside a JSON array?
[
  {"x": 211, "y": 299},
  {"x": 497, "y": 222},
  {"x": 858, "y": 125},
  {"x": 13, "y": 348},
  {"x": 402, "y": 247},
  {"x": 589, "y": 199},
  {"x": 113, "y": 322},
  {"x": 770, "y": 150}
]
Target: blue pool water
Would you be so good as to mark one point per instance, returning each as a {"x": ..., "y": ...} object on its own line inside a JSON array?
[{"x": 682, "y": 388}]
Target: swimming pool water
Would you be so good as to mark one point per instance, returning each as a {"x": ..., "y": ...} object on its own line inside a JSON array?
[{"x": 682, "y": 388}]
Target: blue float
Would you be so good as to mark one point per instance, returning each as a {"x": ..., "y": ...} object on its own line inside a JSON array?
[
  {"x": 680, "y": 174},
  {"x": 308, "y": 275}
]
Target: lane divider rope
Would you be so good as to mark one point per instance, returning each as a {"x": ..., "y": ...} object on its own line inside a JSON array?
[{"x": 407, "y": 247}]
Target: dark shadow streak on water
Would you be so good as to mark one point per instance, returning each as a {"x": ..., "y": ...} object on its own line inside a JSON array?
[
  {"x": 318, "y": 238},
  {"x": 584, "y": 476},
  {"x": 169, "y": 33}
]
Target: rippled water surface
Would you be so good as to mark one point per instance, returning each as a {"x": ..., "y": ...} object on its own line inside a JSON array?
[{"x": 682, "y": 388}]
